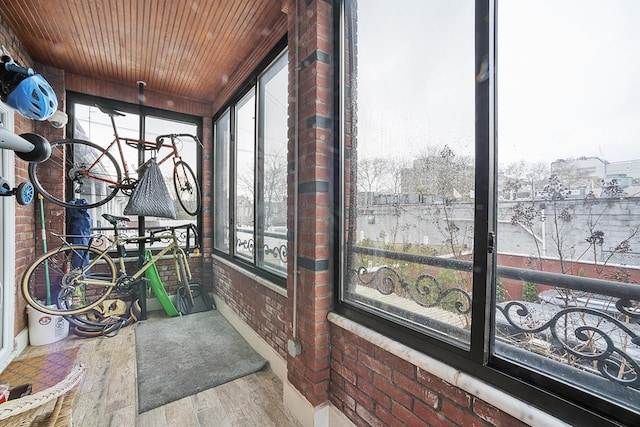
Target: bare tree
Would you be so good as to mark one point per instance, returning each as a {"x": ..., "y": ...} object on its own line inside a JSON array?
[
  {"x": 371, "y": 174},
  {"x": 275, "y": 182}
]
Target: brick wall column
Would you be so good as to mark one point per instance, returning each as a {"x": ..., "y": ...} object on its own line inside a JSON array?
[
  {"x": 54, "y": 215},
  {"x": 310, "y": 88}
]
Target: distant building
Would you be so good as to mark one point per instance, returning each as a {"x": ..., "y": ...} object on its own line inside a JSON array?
[{"x": 586, "y": 174}]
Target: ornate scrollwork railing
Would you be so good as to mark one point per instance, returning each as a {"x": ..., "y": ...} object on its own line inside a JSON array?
[
  {"x": 426, "y": 290},
  {"x": 588, "y": 324},
  {"x": 183, "y": 234},
  {"x": 578, "y": 336},
  {"x": 276, "y": 252},
  {"x": 245, "y": 245}
]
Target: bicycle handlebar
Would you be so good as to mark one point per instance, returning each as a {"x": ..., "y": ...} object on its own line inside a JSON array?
[
  {"x": 160, "y": 138},
  {"x": 13, "y": 67}
]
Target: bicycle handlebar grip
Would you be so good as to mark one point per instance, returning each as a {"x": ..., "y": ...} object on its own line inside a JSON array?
[{"x": 12, "y": 66}]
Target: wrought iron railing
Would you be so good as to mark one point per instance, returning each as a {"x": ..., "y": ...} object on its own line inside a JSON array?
[
  {"x": 184, "y": 233},
  {"x": 585, "y": 323},
  {"x": 274, "y": 247}
]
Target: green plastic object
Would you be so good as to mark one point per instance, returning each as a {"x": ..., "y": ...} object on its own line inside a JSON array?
[{"x": 158, "y": 289}]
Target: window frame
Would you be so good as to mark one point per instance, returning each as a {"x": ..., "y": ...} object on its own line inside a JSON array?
[
  {"x": 564, "y": 401},
  {"x": 249, "y": 85},
  {"x": 143, "y": 111}
]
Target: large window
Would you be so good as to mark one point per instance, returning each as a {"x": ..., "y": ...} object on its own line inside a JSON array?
[
  {"x": 490, "y": 202},
  {"x": 90, "y": 123},
  {"x": 250, "y": 187}
]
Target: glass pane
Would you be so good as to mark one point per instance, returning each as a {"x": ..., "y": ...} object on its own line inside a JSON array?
[
  {"x": 569, "y": 175},
  {"x": 245, "y": 175},
  {"x": 409, "y": 163},
  {"x": 91, "y": 124},
  {"x": 221, "y": 183},
  {"x": 272, "y": 224}
]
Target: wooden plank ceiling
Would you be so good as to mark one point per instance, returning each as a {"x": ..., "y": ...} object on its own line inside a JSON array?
[{"x": 179, "y": 47}]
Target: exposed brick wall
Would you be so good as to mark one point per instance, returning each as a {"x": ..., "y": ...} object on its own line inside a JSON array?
[
  {"x": 368, "y": 384},
  {"x": 167, "y": 272},
  {"x": 310, "y": 52},
  {"x": 373, "y": 387},
  {"x": 25, "y": 228},
  {"x": 258, "y": 306},
  {"x": 206, "y": 237}
]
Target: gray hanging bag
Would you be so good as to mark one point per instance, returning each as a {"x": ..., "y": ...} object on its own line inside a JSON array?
[{"x": 151, "y": 196}]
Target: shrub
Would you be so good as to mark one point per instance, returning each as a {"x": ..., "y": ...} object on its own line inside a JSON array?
[{"x": 529, "y": 292}]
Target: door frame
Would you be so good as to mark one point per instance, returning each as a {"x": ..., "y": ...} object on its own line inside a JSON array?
[{"x": 8, "y": 262}]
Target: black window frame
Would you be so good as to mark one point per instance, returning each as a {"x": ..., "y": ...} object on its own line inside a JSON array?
[
  {"x": 143, "y": 111},
  {"x": 564, "y": 401},
  {"x": 250, "y": 84}
]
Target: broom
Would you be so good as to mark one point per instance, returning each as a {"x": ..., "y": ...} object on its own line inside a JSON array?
[{"x": 44, "y": 248}]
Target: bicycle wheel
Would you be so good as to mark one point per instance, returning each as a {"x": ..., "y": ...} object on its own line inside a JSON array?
[
  {"x": 55, "y": 283},
  {"x": 187, "y": 188},
  {"x": 94, "y": 174}
]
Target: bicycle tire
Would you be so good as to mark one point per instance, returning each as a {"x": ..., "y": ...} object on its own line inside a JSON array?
[
  {"x": 52, "y": 277},
  {"x": 187, "y": 188},
  {"x": 69, "y": 160},
  {"x": 85, "y": 328}
]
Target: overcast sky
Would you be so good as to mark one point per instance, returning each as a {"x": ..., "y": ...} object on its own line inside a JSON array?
[{"x": 567, "y": 83}]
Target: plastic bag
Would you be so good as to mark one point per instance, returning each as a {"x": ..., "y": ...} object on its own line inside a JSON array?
[{"x": 151, "y": 196}]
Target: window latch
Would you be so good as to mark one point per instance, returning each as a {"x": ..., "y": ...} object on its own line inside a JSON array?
[{"x": 491, "y": 242}]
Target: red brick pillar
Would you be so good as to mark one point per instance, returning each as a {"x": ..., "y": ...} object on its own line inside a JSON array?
[
  {"x": 310, "y": 298},
  {"x": 54, "y": 214}
]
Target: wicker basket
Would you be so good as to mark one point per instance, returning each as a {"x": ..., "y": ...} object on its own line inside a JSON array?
[{"x": 49, "y": 407}]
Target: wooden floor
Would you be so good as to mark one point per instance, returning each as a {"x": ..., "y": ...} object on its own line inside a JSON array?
[{"x": 108, "y": 395}]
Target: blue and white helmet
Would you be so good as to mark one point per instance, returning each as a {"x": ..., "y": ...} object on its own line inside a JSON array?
[{"x": 34, "y": 98}]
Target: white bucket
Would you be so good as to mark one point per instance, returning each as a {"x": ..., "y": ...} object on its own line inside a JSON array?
[{"x": 46, "y": 328}]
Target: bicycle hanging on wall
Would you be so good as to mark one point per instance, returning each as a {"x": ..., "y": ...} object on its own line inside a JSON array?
[{"x": 97, "y": 176}]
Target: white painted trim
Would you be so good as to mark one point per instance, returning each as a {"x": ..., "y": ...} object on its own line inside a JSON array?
[
  {"x": 301, "y": 408},
  {"x": 472, "y": 385},
  {"x": 337, "y": 418},
  {"x": 21, "y": 342},
  {"x": 8, "y": 275},
  {"x": 325, "y": 415}
]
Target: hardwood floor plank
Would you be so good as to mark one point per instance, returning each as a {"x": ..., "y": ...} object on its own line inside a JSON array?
[
  {"x": 122, "y": 417},
  {"x": 153, "y": 418},
  {"x": 108, "y": 392},
  {"x": 181, "y": 413}
]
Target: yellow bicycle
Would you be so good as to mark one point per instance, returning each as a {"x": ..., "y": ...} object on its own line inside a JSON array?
[{"x": 74, "y": 278}]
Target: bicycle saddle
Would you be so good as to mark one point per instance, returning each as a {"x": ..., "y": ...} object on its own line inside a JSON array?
[
  {"x": 114, "y": 219},
  {"x": 109, "y": 111}
]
